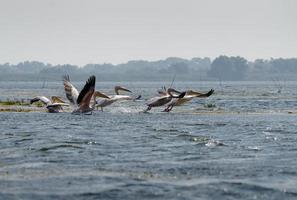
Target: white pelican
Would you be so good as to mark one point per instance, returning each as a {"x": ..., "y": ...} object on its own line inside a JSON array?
[
  {"x": 190, "y": 94},
  {"x": 73, "y": 95},
  {"x": 163, "y": 100},
  {"x": 85, "y": 96},
  {"x": 54, "y": 105},
  {"x": 114, "y": 98}
]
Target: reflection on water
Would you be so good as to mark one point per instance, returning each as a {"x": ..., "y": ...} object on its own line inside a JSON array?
[{"x": 243, "y": 148}]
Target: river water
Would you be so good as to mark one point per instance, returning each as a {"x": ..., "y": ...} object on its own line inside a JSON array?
[{"x": 240, "y": 143}]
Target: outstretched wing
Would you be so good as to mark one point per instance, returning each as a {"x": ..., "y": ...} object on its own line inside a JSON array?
[
  {"x": 87, "y": 92},
  {"x": 198, "y": 94},
  {"x": 43, "y": 99},
  {"x": 70, "y": 90}
]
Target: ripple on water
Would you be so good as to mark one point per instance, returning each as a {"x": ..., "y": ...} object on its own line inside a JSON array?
[
  {"x": 59, "y": 146},
  {"x": 214, "y": 143}
]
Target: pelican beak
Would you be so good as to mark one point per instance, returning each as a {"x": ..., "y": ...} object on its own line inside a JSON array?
[
  {"x": 117, "y": 88},
  {"x": 99, "y": 94}
]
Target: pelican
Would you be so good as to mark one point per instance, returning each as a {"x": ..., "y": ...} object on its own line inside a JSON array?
[
  {"x": 114, "y": 98},
  {"x": 55, "y": 105},
  {"x": 163, "y": 100},
  {"x": 73, "y": 95},
  {"x": 190, "y": 94},
  {"x": 84, "y": 98}
]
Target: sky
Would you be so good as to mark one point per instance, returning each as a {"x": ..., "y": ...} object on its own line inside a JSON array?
[{"x": 116, "y": 31}]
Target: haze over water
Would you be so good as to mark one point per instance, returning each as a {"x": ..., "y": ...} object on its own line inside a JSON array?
[{"x": 240, "y": 143}]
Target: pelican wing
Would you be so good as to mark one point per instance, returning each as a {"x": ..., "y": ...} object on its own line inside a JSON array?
[
  {"x": 198, "y": 94},
  {"x": 159, "y": 101},
  {"x": 87, "y": 92},
  {"x": 70, "y": 90},
  {"x": 43, "y": 99}
]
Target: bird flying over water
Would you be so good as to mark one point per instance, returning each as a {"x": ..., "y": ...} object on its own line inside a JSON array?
[
  {"x": 81, "y": 101},
  {"x": 84, "y": 98},
  {"x": 189, "y": 95},
  {"x": 163, "y": 100},
  {"x": 114, "y": 98}
]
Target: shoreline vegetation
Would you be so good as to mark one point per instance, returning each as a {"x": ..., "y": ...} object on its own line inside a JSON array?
[
  {"x": 222, "y": 68},
  {"x": 20, "y": 105}
]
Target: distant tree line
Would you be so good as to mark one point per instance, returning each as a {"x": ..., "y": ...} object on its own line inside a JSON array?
[{"x": 222, "y": 68}]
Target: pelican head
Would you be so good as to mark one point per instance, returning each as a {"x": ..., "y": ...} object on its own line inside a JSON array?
[
  {"x": 172, "y": 90},
  {"x": 117, "y": 88}
]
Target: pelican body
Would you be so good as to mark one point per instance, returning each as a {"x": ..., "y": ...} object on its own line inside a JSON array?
[
  {"x": 162, "y": 100},
  {"x": 190, "y": 94},
  {"x": 55, "y": 105},
  {"x": 113, "y": 98},
  {"x": 81, "y": 101}
]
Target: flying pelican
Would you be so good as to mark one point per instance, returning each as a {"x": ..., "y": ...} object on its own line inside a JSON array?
[
  {"x": 54, "y": 105},
  {"x": 84, "y": 98},
  {"x": 190, "y": 94},
  {"x": 163, "y": 100},
  {"x": 114, "y": 98}
]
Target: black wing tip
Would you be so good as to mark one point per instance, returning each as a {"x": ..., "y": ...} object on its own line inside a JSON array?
[
  {"x": 210, "y": 92},
  {"x": 182, "y": 95},
  {"x": 89, "y": 84},
  {"x": 91, "y": 81}
]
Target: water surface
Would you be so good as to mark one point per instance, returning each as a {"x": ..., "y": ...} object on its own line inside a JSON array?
[{"x": 242, "y": 147}]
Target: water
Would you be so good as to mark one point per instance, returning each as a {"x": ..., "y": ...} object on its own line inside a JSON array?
[{"x": 244, "y": 147}]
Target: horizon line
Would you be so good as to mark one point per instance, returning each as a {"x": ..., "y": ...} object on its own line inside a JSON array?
[{"x": 148, "y": 60}]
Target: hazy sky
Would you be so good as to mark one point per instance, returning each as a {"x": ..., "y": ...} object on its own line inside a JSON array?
[{"x": 115, "y": 31}]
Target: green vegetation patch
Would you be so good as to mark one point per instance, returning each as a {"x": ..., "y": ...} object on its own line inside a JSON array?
[{"x": 13, "y": 103}]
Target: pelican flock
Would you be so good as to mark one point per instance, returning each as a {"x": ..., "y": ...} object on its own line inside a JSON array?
[{"x": 85, "y": 101}]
